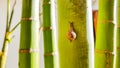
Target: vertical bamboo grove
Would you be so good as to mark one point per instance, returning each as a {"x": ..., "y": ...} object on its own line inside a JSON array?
[
  {"x": 118, "y": 35},
  {"x": 29, "y": 35},
  {"x": 49, "y": 55},
  {"x": 104, "y": 38},
  {"x": 73, "y": 51}
]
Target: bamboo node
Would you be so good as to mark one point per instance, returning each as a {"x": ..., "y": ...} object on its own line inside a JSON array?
[
  {"x": 118, "y": 48},
  {"x": 104, "y": 51},
  {"x": 28, "y": 19},
  {"x": 45, "y": 28},
  {"x": 105, "y": 21},
  {"x": 28, "y": 50},
  {"x": 8, "y": 36},
  {"x": 40, "y": 14},
  {"x": 45, "y": 3},
  {"x": 108, "y": 53},
  {"x": 49, "y": 54},
  {"x": 118, "y": 26},
  {"x": 108, "y": 60},
  {"x": 3, "y": 53}
]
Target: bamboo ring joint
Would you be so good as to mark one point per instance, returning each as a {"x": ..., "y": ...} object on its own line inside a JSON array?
[
  {"x": 45, "y": 3},
  {"x": 108, "y": 53},
  {"x": 118, "y": 26},
  {"x": 108, "y": 61},
  {"x": 104, "y": 51},
  {"x": 28, "y": 50},
  {"x": 40, "y": 14},
  {"x": 105, "y": 21},
  {"x": 46, "y": 28},
  {"x": 28, "y": 19},
  {"x": 118, "y": 48},
  {"x": 3, "y": 53},
  {"x": 49, "y": 54}
]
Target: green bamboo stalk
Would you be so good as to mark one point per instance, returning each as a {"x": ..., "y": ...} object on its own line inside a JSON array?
[
  {"x": 29, "y": 35},
  {"x": 72, "y": 34},
  {"x": 117, "y": 64},
  {"x": 104, "y": 38},
  {"x": 49, "y": 49}
]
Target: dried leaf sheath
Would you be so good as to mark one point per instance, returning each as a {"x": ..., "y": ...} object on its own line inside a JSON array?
[{"x": 29, "y": 35}]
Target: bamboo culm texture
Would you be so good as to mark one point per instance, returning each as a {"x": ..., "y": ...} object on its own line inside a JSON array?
[
  {"x": 72, "y": 38},
  {"x": 49, "y": 49},
  {"x": 117, "y": 64},
  {"x": 104, "y": 38},
  {"x": 29, "y": 35}
]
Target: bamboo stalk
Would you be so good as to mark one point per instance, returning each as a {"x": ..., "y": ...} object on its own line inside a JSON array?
[
  {"x": 29, "y": 35},
  {"x": 49, "y": 49},
  {"x": 72, "y": 34},
  {"x": 104, "y": 38},
  {"x": 118, "y": 36}
]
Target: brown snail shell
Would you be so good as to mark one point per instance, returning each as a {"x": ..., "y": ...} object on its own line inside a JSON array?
[{"x": 71, "y": 35}]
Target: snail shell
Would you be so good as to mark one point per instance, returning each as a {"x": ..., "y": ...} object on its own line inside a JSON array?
[{"x": 71, "y": 35}]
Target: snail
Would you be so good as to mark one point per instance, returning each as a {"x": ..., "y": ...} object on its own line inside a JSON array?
[{"x": 71, "y": 35}]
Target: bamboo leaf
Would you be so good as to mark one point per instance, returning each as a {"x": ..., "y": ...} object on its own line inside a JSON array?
[{"x": 15, "y": 27}]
